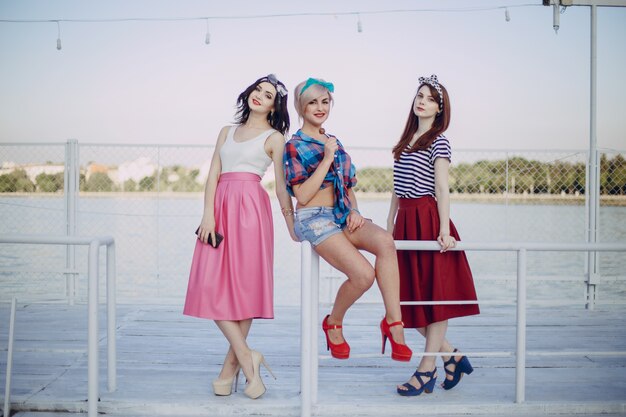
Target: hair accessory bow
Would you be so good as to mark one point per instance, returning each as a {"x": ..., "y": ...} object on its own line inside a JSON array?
[
  {"x": 329, "y": 86},
  {"x": 280, "y": 87},
  {"x": 433, "y": 82}
]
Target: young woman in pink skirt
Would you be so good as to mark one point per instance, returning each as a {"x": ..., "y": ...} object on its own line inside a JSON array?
[
  {"x": 420, "y": 210},
  {"x": 232, "y": 283}
]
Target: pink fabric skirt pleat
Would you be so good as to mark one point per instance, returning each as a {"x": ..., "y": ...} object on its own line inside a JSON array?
[{"x": 236, "y": 280}]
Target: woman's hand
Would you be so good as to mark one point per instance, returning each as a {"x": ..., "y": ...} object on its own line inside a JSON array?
[
  {"x": 354, "y": 221},
  {"x": 207, "y": 227},
  {"x": 292, "y": 233},
  {"x": 446, "y": 241},
  {"x": 330, "y": 147}
]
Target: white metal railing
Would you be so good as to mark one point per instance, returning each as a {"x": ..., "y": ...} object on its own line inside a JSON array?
[
  {"x": 310, "y": 311},
  {"x": 94, "y": 244}
]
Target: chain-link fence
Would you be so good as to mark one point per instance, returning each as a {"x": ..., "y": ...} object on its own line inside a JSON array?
[{"x": 150, "y": 199}]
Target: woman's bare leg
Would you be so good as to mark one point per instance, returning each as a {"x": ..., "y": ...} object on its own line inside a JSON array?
[
  {"x": 339, "y": 252},
  {"x": 379, "y": 242},
  {"x": 235, "y": 336},
  {"x": 230, "y": 362},
  {"x": 435, "y": 335}
]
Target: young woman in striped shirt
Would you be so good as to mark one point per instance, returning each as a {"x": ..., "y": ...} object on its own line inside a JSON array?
[{"x": 420, "y": 210}]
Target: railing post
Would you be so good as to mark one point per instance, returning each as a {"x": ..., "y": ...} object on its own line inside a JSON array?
[
  {"x": 520, "y": 367},
  {"x": 315, "y": 290},
  {"x": 111, "y": 319},
  {"x": 9, "y": 370},
  {"x": 305, "y": 331},
  {"x": 92, "y": 331},
  {"x": 592, "y": 190},
  {"x": 70, "y": 185}
]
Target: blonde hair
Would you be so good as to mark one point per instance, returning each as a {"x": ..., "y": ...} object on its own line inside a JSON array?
[{"x": 311, "y": 93}]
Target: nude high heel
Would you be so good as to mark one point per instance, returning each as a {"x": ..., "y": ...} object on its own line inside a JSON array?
[
  {"x": 223, "y": 387},
  {"x": 255, "y": 387}
]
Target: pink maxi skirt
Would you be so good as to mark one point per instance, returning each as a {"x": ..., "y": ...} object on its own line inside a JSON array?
[{"x": 236, "y": 280}]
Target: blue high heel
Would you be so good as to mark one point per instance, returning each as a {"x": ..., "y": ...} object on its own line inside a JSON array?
[
  {"x": 463, "y": 366},
  {"x": 427, "y": 387}
]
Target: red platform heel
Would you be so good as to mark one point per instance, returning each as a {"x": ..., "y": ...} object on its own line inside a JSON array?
[
  {"x": 399, "y": 352},
  {"x": 339, "y": 350}
]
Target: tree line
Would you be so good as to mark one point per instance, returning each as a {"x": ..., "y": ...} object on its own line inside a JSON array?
[{"x": 516, "y": 175}]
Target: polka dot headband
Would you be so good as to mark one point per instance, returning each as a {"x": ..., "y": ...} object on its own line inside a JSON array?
[{"x": 432, "y": 81}]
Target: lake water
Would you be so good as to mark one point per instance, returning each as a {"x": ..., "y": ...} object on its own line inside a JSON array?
[{"x": 155, "y": 239}]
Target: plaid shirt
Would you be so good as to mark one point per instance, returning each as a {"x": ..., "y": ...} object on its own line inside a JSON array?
[{"x": 303, "y": 155}]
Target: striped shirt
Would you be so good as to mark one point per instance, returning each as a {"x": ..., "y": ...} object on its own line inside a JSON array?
[{"x": 414, "y": 172}]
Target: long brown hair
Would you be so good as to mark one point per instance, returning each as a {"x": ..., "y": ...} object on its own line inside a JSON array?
[{"x": 441, "y": 123}]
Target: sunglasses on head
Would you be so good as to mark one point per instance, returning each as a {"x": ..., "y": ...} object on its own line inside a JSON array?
[{"x": 280, "y": 87}]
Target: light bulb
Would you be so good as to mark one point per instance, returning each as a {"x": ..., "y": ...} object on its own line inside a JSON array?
[
  {"x": 359, "y": 25},
  {"x": 207, "y": 38},
  {"x": 507, "y": 16},
  {"x": 58, "y": 36},
  {"x": 556, "y": 18}
]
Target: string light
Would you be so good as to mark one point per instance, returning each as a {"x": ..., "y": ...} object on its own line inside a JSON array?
[
  {"x": 269, "y": 16},
  {"x": 58, "y": 36},
  {"x": 556, "y": 18},
  {"x": 207, "y": 39}
]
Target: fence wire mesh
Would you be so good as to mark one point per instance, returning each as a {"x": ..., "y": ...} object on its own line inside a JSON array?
[{"x": 150, "y": 199}]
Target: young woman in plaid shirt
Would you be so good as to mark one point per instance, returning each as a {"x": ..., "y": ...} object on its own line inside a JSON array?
[{"x": 320, "y": 174}]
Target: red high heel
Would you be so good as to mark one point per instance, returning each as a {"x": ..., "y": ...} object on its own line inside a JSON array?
[
  {"x": 339, "y": 350},
  {"x": 399, "y": 352}
]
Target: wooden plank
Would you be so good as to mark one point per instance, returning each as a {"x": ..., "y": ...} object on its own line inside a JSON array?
[{"x": 166, "y": 362}]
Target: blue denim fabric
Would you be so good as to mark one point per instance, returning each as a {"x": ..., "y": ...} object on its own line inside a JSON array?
[{"x": 315, "y": 224}]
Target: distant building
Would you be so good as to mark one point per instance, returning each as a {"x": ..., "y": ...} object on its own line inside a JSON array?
[
  {"x": 94, "y": 168},
  {"x": 32, "y": 171}
]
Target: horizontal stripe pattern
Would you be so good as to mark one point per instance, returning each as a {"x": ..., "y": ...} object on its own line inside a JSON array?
[{"x": 414, "y": 172}]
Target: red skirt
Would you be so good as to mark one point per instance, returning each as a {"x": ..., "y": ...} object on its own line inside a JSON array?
[{"x": 430, "y": 275}]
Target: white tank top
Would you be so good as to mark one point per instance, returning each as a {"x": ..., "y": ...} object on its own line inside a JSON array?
[{"x": 248, "y": 156}]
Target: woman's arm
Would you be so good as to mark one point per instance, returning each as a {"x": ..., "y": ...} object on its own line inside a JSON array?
[
  {"x": 393, "y": 210},
  {"x": 275, "y": 145},
  {"x": 355, "y": 220},
  {"x": 207, "y": 225},
  {"x": 305, "y": 191},
  {"x": 442, "y": 192}
]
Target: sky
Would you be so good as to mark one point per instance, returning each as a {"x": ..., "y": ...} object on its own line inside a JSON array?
[{"x": 513, "y": 85}]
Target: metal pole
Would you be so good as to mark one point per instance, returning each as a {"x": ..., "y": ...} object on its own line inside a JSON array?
[
  {"x": 520, "y": 366},
  {"x": 92, "y": 331},
  {"x": 111, "y": 319},
  {"x": 593, "y": 187},
  {"x": 70, "y": 183},
  {"x": 305, "y": 331},
  {"x": 315, "y": 297},
  {"x": 9, "y": 371}
]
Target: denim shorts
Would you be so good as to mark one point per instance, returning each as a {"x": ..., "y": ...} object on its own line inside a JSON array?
[{"x": 315, "y": 224}]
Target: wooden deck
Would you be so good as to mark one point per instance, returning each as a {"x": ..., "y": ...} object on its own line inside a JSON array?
[{"x": 166, "y": 362}]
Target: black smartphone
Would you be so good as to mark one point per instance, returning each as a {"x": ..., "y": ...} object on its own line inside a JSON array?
[{"x": 218, "y": 238}]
